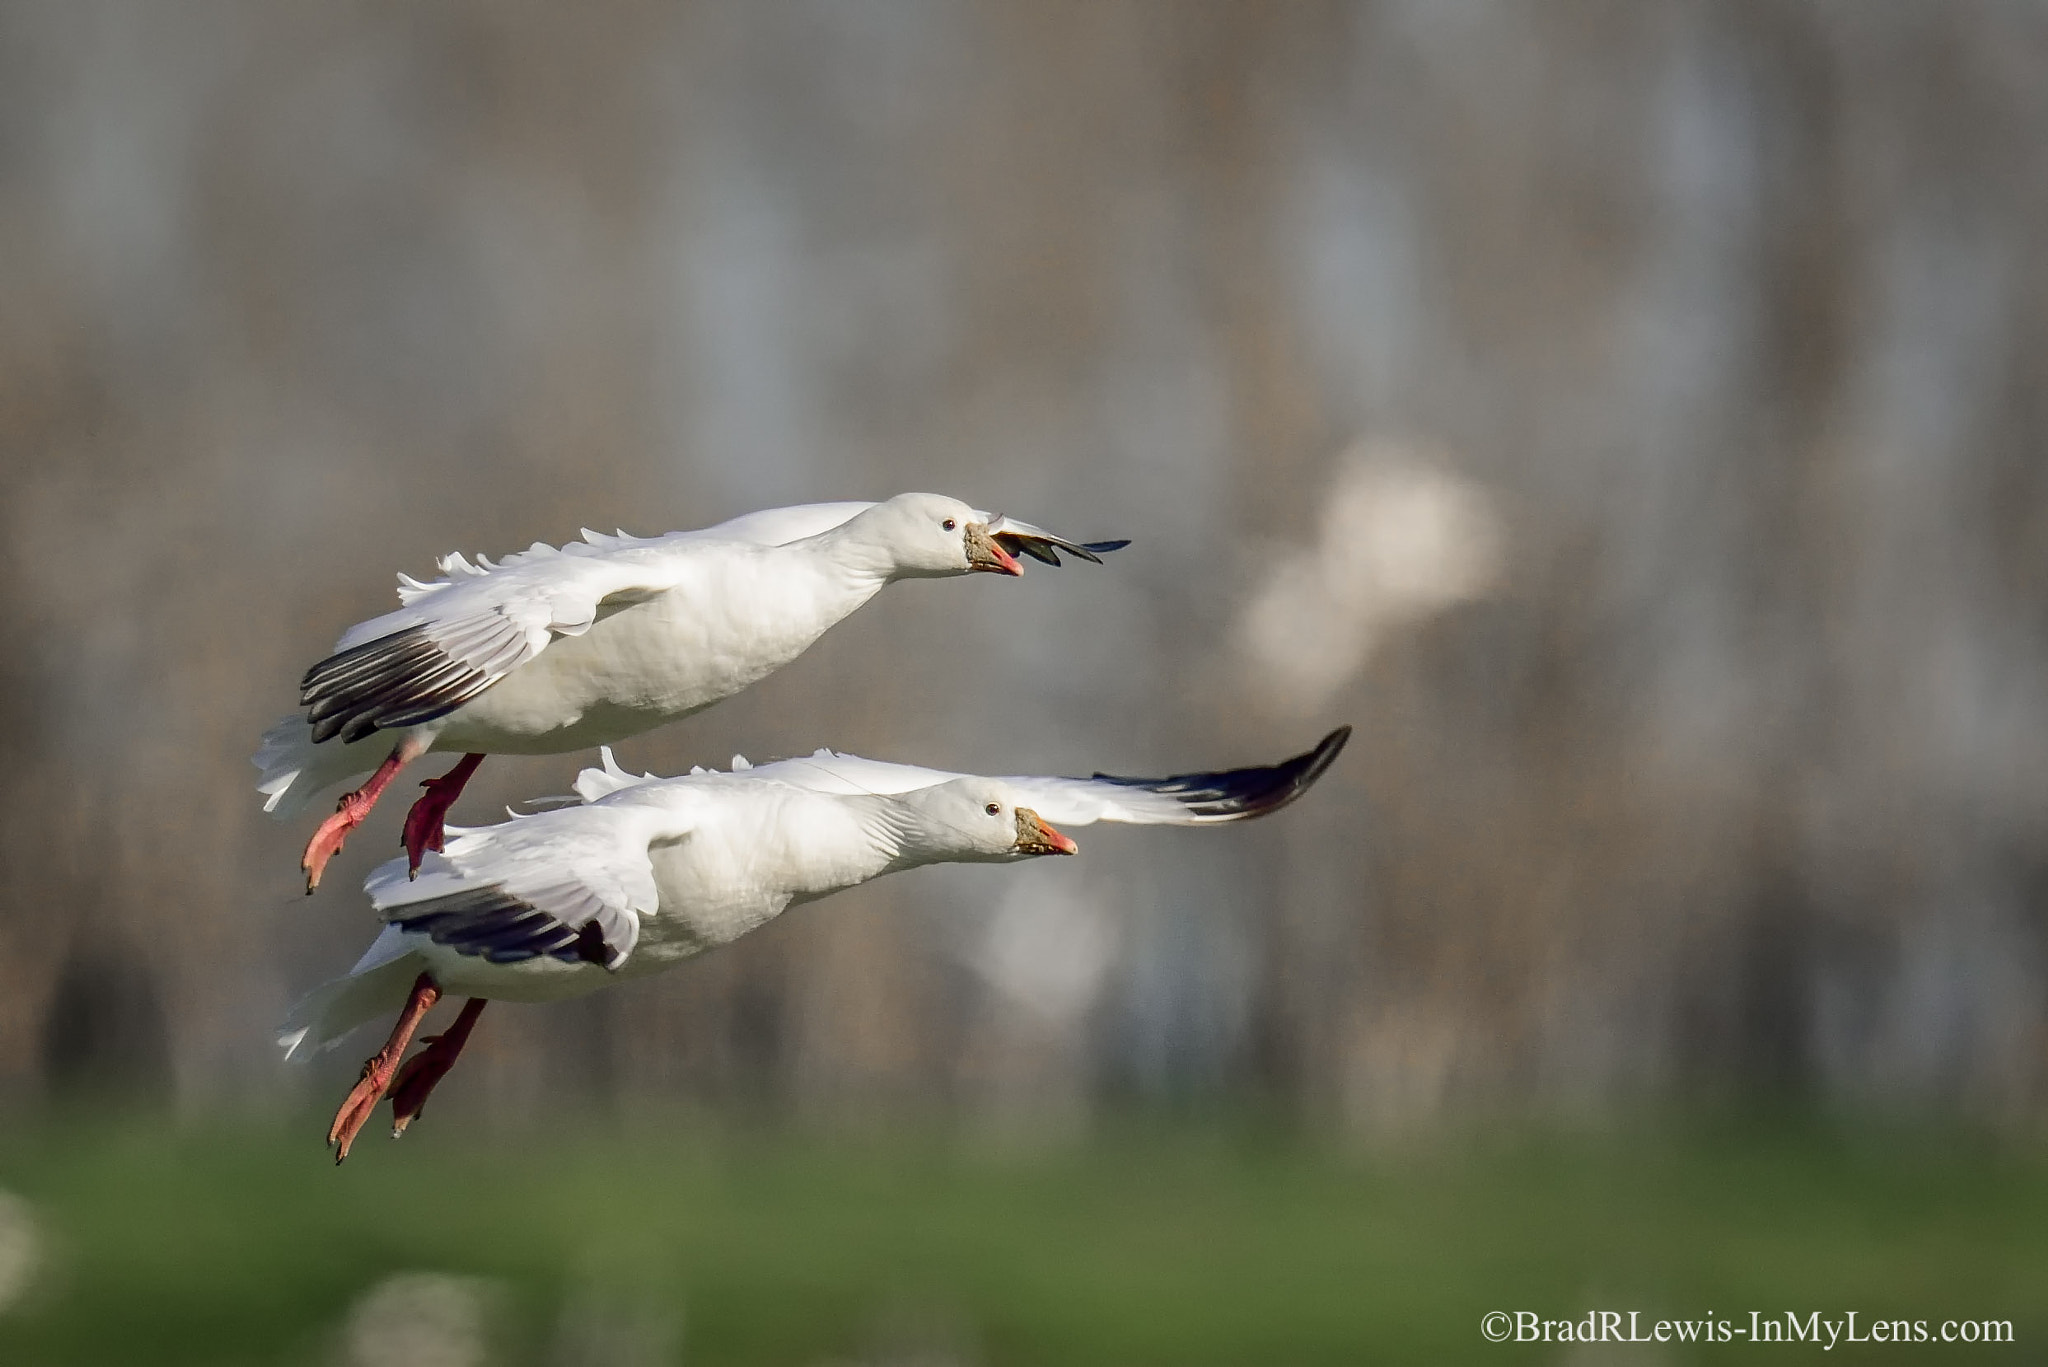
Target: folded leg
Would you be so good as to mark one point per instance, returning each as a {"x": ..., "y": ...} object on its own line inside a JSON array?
[
  {"x": 429, "y": 1066},
  {"x": 423, "y": 823}
]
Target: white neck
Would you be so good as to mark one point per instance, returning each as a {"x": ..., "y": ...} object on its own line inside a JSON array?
[
  {"x": 834, "y": 579},
  {"x": 841, "y": 842},
  {"x": 900, "y": 836},
  {"x": 856, "y": 551}
]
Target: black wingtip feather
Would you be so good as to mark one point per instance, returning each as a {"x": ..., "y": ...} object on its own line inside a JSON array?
[
  {"x": 1047, "y": 552},
  {"x": 492, "y": 924},
  {"x": 1239, "y": 794},
  {"x": 401, "y": 679}
]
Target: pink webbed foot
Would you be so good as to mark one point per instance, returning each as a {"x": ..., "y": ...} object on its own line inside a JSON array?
[
  {"x": 426, "y": 1068},
  {"x": 348, "y": 814},
  {"x": 379, "y": 1068},
  {"x": 423, "y": 824}
]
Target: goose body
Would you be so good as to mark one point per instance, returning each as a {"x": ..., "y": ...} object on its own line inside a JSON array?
[
  {"x": 646, "y": 872},
  {"x": 732, "y": 616},
  {"x": 558, "y": 649}
]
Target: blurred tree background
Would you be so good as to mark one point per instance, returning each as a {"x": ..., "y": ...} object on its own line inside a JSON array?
[{"x": 1631, "y": 416}]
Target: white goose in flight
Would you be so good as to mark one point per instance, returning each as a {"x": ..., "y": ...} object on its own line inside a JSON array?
[
  {"x": 647, "y": 872},
  {"x": 552, "y": 650}
]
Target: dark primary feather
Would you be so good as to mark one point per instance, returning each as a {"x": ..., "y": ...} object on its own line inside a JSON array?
[
  {"x": 1046, "y": 549},
  {"x": 398, "y": 680},
  {"x": 1241, "y": 793},
  {"x": 492, "y": 924}
]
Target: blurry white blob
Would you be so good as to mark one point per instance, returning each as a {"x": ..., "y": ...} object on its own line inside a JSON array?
[
  {"x": 1401, "y": 538},
  {"x": 1047, "y": 954},
  {"x": 419, "y": 1319},
  {"x": 21, "y": 1248}
]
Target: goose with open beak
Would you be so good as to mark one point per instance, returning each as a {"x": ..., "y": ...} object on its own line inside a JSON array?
[{"x": 552, "y": 650}]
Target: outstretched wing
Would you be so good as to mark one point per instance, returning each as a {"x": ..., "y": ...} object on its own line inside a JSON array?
[
  {"x": 1179, "y": 800},
  {"x": 780, "y": 526},
  {"x": 456, "y": 637},
  {"x": 571, "y": 884},
  {"x": 846, "y": 775},
  {"x": 1183, "y": 799}
]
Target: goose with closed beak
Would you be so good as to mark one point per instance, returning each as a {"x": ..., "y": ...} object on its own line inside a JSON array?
[
  {"x": 551, "y": 650},
  {"x": 643, "y": 873}
]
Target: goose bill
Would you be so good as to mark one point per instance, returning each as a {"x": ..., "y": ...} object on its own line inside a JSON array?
[
  {"x": 984, "y": 554},
  {"x": 1035, "y": 837}
]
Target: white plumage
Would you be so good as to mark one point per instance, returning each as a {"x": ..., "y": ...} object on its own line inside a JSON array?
[
  {"x": 556, "y": 649},
  {"x": 687, "y": 619},
  {"x": 647, "y": 871}
]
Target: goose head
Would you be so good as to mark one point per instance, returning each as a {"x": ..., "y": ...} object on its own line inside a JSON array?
[
  {"x": 930, "y": 536},
  {"x": 977, "y": 820}
]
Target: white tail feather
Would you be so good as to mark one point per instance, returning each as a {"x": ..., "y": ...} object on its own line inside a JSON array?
[
  {"x": 378, "y": 984},
  {"x": 295, "y": 771},
  {"x": 283, "y": 755}
]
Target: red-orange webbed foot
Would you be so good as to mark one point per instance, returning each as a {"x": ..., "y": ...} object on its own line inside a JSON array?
[
  {"x": 349, "y": 814},
  {"x": 423, "y": 824},
  {"x": 379, "y": 1068},
  {"x": 426, "y": 1068},
  {"x": 333, "y": 832}
]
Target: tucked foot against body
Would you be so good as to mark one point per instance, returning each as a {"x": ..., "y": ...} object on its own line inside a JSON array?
[
  {"x": 426, "y": 1068},
  {"x": 379, "y": 1068},
  {"x": 423, "y": 824},
  {"x": 349, "y": 814}
]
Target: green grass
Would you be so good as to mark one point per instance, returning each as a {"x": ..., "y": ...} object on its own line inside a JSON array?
[{"x": 1153, "y": 1245}]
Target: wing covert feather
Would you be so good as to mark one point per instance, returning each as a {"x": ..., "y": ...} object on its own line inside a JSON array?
[
  {"x": 1198, "y": 799},
  {"x": 456, "y": 638},
  {"x": 571, "y": 883}
]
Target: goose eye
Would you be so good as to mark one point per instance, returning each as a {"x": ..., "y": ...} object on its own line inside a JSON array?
[
  {"x": 994, "y": 809},
  {"x": 948, "y": 525}
]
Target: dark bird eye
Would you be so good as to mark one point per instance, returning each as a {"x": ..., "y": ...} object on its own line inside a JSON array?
[
  {"x": 994, "y": 809},
  {"x": 948, "y": 525}
]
